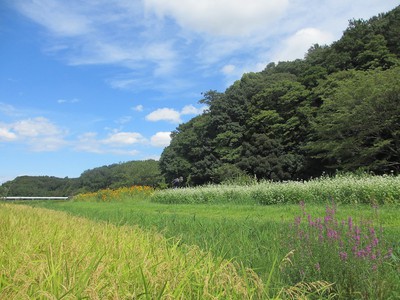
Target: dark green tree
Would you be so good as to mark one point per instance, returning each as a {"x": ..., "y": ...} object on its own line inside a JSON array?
[{"x": 358, "y": 124}]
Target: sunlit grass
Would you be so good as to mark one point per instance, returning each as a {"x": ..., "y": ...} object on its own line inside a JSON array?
[{"x": 51, "y": 255}]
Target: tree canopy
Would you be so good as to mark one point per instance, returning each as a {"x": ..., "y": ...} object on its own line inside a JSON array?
[{"x": 336, "y": 109}]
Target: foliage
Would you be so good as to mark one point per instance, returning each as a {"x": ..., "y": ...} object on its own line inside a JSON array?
[
  {"x": 39, "y": 186},
  {"x": 358, "y": 124},
  {"x": 190, "y": 155},
  {"x": 121, "y": 175},
  {"x": 277, "y": 124}
]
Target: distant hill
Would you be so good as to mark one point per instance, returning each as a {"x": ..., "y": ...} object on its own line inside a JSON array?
[{"x": 112, "y": 176}]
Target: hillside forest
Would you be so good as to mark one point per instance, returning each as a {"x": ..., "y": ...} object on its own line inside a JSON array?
[{"x": 338, "y": 109}]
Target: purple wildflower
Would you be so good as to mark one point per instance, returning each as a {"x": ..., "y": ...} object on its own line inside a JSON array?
[
  {"x": 343, "y": 255},
  {"x": 350, "y": 223}
]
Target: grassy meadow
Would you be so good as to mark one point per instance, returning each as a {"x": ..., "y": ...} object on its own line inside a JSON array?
[{"x": 343, "y": 246}]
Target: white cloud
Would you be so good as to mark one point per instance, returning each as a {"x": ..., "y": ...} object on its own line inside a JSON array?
[
  {"x": 138, "y": 108},
  {"x": 7, "y": 135},
  {"x": 164, "y": 114},
  {"x": 161, "y": 139},
  {"x": 36, "y": 127},
  {"x": 88, "y": 142},
  {"x": 173, "y": 116},
  {"x": 124, "y": 152},
  {"x": 228, "y": 69},
  {"x": 124, "y": 138},
  {"x": 39, "y": 133},
  {"x": 223, "y": 17},
  {"x": 8, "y": 110},
  {"x": 191, "y": 110},
  {"x": 71, "y": 101},
  {"x": 124, "y": 120},
  {"x": 297, "y": 45},
  {"x": 47, "y": 143},
  {"x": 55, "y": 16},
  {"x": 129, "y": 84},
  {"x": 114, "y": 144},
  {"x": 118, "y": 143}
]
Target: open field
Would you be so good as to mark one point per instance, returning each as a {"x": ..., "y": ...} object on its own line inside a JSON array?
[{"x": 339, "y": 250}]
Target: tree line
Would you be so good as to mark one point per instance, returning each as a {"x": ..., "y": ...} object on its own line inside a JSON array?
[
  {"x": 113, "y": 176},
  {"x": 336, "y": 109}
]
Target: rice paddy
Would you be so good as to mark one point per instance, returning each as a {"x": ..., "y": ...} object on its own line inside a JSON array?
[{"x": 134, "y": 247}]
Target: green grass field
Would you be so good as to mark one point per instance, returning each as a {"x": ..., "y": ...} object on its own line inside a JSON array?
[{"x": 315, "y": 250}]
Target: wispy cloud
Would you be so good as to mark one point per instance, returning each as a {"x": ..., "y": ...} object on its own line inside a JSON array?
[
  {"x": 138, "y": 108},
  {"x": 55, "y": 16},
  {"x": 224, "y": 17},
  {"x": 158, "y": 38},
  {"x": 118, "y": 143},
  {"x": 68, "y": 101},
  {"x": 9, "y": 110}
]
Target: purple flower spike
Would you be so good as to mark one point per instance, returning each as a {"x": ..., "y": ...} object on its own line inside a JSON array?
[{"x": 343, "y": 255}]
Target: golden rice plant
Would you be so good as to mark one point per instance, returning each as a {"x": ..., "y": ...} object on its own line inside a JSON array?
[{"x": 52, "y": 255}]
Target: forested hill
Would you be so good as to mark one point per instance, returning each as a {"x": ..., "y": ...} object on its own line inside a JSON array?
[
  {"x": 112, "y": 176},
  {"x": 336, "y": 109}
]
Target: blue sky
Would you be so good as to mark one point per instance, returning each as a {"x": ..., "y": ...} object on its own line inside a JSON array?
[{"x": 90, "y": 83}]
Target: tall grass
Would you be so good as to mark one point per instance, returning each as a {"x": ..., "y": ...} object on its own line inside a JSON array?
[
  {"x": 51, "y": 255},
  {"x": 345, "y": 189}
]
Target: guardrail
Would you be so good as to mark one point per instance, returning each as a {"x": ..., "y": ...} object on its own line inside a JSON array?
[{"x": 33, "y": 198}]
